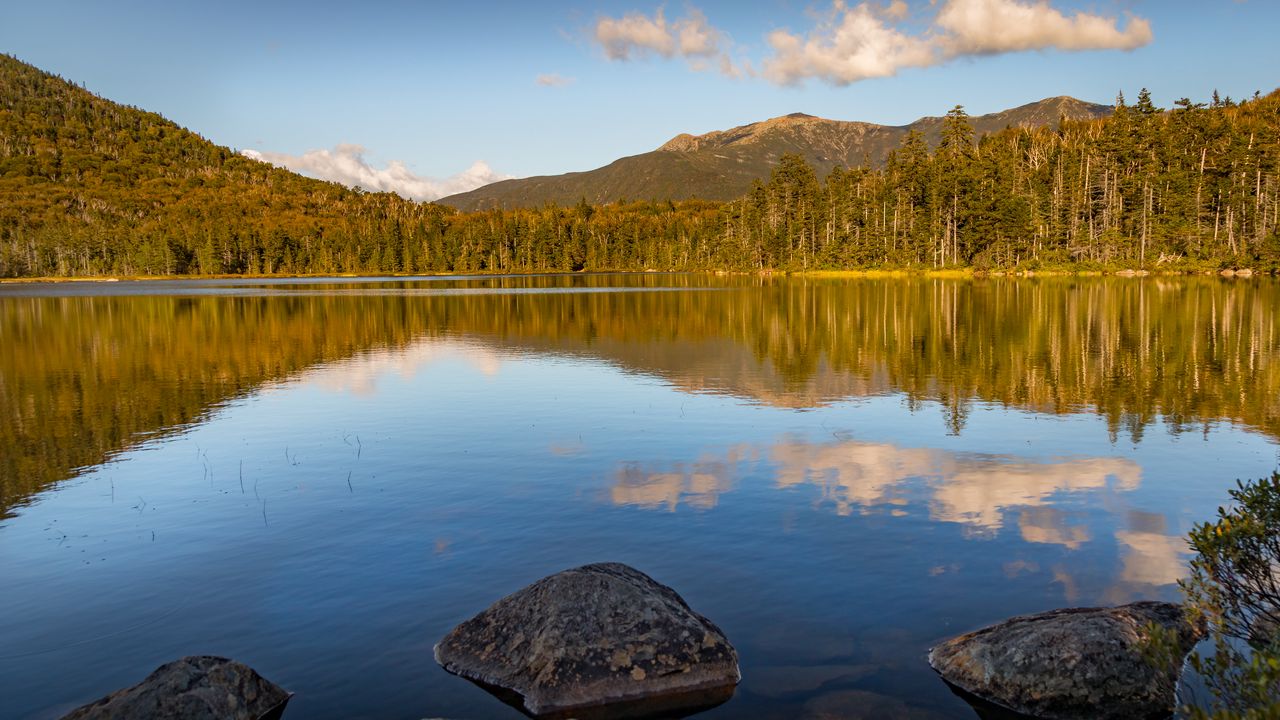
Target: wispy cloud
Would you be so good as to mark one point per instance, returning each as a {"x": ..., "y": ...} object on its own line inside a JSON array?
[
  {"x": 853, "y": 42},
  {"x": 346, "y": 164},
  {"x": 553, "y": 80}
]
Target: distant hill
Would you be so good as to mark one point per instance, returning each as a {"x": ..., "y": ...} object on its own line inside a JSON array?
[{"x": 722, "y": 165}]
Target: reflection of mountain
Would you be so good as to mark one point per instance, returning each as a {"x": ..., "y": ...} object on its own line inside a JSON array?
[{"x": 82, "y": 377}]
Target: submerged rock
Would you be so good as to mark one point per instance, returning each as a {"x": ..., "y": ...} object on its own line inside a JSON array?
[
  {"x": 1068, "y": 664},
  {"x": 194, "y": 688},
  {"x": 594, "y": 636}
]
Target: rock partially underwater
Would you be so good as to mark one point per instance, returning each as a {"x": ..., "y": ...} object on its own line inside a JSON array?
[
  {"x": 1070, "y": 664},
  {"x": 200, "y": 687},
  {"x": 601, "y": 639}
]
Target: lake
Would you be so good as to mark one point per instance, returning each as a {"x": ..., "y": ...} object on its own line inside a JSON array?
[{"x": 320, "y": 478}]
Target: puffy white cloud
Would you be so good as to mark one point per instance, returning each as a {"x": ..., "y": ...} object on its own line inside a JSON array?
[
  {"x": 346, "y": 164},
  {"x": 874, "y": 39},
  {"x": 636, "y": 35},
  {"x": 850, "y": 44},
  {"x": 694, "y": 37},
  {"x": 553, "y": 80},
  {"x": 1000, "y": 26}
]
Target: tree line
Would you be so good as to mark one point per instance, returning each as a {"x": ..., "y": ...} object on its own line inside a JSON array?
[{"x": 93, "y": 188}]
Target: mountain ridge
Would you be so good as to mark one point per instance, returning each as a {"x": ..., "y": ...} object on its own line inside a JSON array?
[{"x": 722, "y": 164}]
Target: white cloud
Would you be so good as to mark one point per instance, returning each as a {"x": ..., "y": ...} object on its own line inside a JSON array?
[
  {"x": 1000, "y": 26},
  {"x": 850, "y": 44},
  {"x": 636, "y": 35},
  {"x": 553, "y": 80},
  {"x": 347, "y": 165},
  {"x": 694, "y": 37},
  {"x": 874, "y": 39}
]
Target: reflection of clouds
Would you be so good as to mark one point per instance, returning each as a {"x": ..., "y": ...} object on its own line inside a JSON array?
[
  {"x": 1015, "y": 568},
  {"x": 360, "y": 374},
  {"x": 971, "y": 489},
  {"x": 977, "y": 490},
  {"x": 1048, "y": 525},
  {"x": 851, "y": 473},
  {"x": 974, "y": 490},
  {"x": 1070, "y": 589},
  {"x": 698, "y": 485},
  {"x": 1151, "y": 559}
]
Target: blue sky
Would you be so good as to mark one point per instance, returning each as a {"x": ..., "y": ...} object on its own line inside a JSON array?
[{"x": 439, "y": 86}]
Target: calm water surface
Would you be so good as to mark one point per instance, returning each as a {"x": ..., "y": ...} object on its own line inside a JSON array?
[{"x": 321, "y": 478}]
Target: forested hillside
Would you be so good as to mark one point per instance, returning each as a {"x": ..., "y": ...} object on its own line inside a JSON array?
[
  {"x": 89, "y": 187},
  {"x": 1193, "y": 187}
]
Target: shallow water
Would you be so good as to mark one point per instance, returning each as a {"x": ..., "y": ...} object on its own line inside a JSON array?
[{"x": 321, "y": 478}]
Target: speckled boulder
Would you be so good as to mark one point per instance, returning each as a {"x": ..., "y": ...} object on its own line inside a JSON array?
[
  {"x": 194, "y": 688},
  {"x": 1070, "y": 664},
  {"x": 593, "y": 636}
]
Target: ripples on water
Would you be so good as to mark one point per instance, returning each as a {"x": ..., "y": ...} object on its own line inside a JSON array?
[{"x": 320, "y": 478}]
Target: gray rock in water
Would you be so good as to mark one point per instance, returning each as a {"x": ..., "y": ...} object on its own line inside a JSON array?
[
  {"x": 193, "y": 688},
  {"x": 1069, "y": 664},
  {"x": 598, "y": 635}
]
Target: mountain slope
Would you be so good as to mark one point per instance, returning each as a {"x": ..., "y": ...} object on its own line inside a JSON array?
[
  {"x": 89, "y": 186},
  {"x": 722, "y": 165}
]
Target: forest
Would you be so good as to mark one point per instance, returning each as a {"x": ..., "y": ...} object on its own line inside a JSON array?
[{"x": 94, "y": 188}]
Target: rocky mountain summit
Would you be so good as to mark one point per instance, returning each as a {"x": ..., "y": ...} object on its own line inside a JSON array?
[{"x": 721, "y": 165}]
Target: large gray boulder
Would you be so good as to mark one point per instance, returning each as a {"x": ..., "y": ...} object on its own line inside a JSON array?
[
  {"x": 1068, "y": 664},
  {"x": 194, "y": 688},
  {"x": 597, "y": 636}
]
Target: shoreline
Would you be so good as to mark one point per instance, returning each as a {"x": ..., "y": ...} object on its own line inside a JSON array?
[{"x": 959, "y": 273}]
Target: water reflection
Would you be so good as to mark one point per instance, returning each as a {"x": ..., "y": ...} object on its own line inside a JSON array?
[
  {"x": 99, "y": 373},
  {"x": 981, "y": 493},
  {"x": 413, "y": 457},
  {"x": 698, "y": 484},
  {"x": 360, "y": 375},
  {"x": 971, "y": 489}
]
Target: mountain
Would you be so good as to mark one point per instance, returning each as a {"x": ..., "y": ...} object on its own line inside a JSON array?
[
  {"x": 722, "y": 165},
  {"x": 90, "y": 187}
]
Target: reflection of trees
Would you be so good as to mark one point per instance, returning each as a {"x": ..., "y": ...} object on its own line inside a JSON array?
[
  {"x": 1191, "y": 350},
  {"x": 82, "y": 377}
]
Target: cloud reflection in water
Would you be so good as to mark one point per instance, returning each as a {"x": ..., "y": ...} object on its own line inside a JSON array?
[{"x": 983, "y": 493}]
